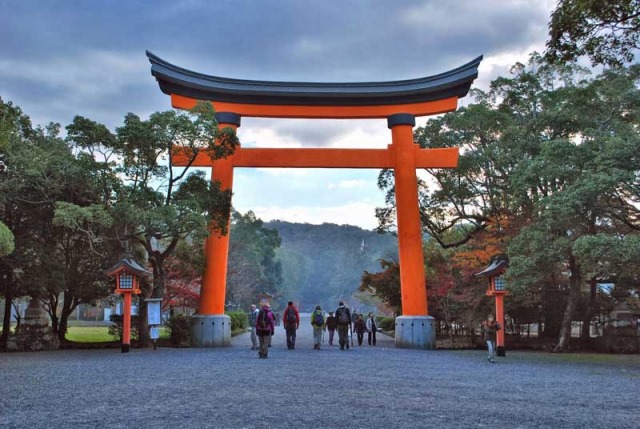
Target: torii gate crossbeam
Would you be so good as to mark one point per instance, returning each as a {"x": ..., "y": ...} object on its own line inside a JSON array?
[{"x": 399, "y": 102}]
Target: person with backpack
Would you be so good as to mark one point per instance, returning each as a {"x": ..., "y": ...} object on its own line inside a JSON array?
[
  {"x": 343, "y": 317},
  {"x": 490, "y": 327},
  {"x": 360, "y": 327},
  {"x": 253, "y": 319},
  {"x": 372, "y": 329},
  {"x": 291, "y": 321},
  {"x": 331, "y": 324},
  {"x": 317, "y": 321},
  {"x": 265, "y": 325}
]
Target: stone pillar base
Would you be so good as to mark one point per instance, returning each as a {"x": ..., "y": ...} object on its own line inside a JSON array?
[
  {"x": 500, "y": 351},
  {"x": 416, "y": 332},
  {"x": 210, "y": 331}
]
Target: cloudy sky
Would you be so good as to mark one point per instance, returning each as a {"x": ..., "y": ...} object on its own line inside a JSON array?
[{"x": 61, "y": 58}]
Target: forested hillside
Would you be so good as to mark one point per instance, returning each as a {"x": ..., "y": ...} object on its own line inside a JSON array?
[{"x": 322, "y": 264}]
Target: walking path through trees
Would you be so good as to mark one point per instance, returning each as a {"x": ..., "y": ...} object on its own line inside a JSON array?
[{"x": 365, "y": 387}]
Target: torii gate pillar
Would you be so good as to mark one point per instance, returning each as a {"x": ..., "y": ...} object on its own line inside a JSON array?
[
  {"x": 211, "y": 327},
  {"x": 414, "y": 329}
]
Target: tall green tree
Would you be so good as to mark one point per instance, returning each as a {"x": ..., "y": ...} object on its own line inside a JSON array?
[
  {"x": 592, "y": 167},
  {"x": 608, "y": 32},
  {"x": 43, "y": 172}
]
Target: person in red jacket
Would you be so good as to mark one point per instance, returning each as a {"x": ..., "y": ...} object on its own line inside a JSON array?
[{"x": 291, "y": 321}]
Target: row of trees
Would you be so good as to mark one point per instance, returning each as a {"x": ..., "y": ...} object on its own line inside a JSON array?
[{"x": 75, "y": 205}]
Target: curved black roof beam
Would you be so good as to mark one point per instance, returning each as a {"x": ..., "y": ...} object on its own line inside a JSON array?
[{"x": 176, "y": 80}]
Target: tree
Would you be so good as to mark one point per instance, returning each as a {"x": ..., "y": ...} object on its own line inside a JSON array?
[
  {"x": 253, "y": 266},
  {"x": 37, "y": 163},
  {"x": 590, "y": 189},
  {"x": 608, "y": 32},
  {"x": 81, "y": 236},
  {"x": 384, "y": 284}
]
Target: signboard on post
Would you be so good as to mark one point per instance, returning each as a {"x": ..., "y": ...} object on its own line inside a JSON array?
[
  {"x": 154, "y": 313},
  {"x": 154, "y": 318}
]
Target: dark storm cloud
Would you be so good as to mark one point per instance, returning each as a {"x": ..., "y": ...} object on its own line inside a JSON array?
[{"x": 61, "y": 58}]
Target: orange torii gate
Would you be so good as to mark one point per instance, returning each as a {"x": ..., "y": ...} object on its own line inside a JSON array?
[{"x": 397, "y": 101}]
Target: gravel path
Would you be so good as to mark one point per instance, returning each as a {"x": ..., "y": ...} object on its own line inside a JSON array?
[{"x": 366, "y": 387}]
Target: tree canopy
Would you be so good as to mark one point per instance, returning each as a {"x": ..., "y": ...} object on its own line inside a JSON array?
[{"x": 608, "y": 32}]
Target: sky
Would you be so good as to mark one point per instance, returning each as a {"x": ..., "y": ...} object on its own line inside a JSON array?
[{"x": 61, "y": 58}]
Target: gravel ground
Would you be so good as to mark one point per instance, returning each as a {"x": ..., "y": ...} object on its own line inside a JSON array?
[{"x": 365, "y": 387}]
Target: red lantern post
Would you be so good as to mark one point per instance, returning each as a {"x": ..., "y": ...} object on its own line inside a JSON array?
[{"x": 127, "y": 273}]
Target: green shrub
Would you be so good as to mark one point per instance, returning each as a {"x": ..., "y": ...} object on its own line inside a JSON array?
[
  {"x": 115, "y": 329},
  {"x": 387, "y": 323},
  {"x": 180, "y": 330},
  {"x": 239, "y": 320}
]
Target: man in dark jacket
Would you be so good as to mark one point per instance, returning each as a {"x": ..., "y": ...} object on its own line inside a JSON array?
[
  {"x": 291, "y": 321},
  {"x": 490, "y": 326},
  {"x": 343, "y": 318},
  {"x": 332, "y": 324}
]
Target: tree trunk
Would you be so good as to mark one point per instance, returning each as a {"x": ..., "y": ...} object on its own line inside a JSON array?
[
  {"x": 589, "y": 310},
  {"x": 67, "y": 308},
  {"x": 574, "y": 296},
  {"x": 551, "y": 311},
  {"x": 6, "y": 322},
  {"x": 55, "y": 326},
  {"x": 144, "y": 337}
]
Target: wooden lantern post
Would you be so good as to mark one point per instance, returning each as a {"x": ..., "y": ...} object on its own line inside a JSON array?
[
  {"x": 496, "y": 287},
  {"x": 127, "y": 273}
]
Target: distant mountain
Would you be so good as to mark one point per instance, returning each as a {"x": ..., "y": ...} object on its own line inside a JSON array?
[{"x": 323, "y": 264}]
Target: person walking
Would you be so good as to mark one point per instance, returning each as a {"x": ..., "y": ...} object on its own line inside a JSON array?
[
  {"x": 253, "y": 319},
  {"x": 317, "y": 321},
  {"x": 265, "y": 324},
  {"x": 291, "y": 321},
  {"x": 343, "y": 317},
  {"x": 490, "y": 327},
  {"x": 332, "y": 324},
  {"x": 372, "y": 329},
  {"x": 360, "y": 327}
]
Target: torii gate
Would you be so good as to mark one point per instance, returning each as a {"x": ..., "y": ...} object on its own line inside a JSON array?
[{"x": 397, "y": 101}]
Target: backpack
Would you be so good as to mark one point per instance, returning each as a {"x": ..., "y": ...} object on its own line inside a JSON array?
[
  {"x": 263, "y": 321},
  {"x": 318, "y": 320},
  {"x": 291, "y": 316},
  {"x": 343, "y": 317}
]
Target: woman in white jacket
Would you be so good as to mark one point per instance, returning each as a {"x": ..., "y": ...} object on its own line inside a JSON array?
[{"x": 371, "y": 329}]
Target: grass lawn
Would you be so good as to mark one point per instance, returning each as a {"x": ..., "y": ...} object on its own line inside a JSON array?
[{"x": 97, "y": 334}]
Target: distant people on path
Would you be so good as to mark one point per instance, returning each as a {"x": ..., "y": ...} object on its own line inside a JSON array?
[
  {"x": 317, "y": 321},
  {"x": 360, "y": 327},
  {"x": 291, "y": 322},
  {"x": 343, "y": 317},
  {"x": 372, "y": 329},
  {"x": 265, "y": 325},
  {"x": 332, "y": 324},
  {"x": 490, "y": 327},
  {"x": 253, "y": 319}
]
